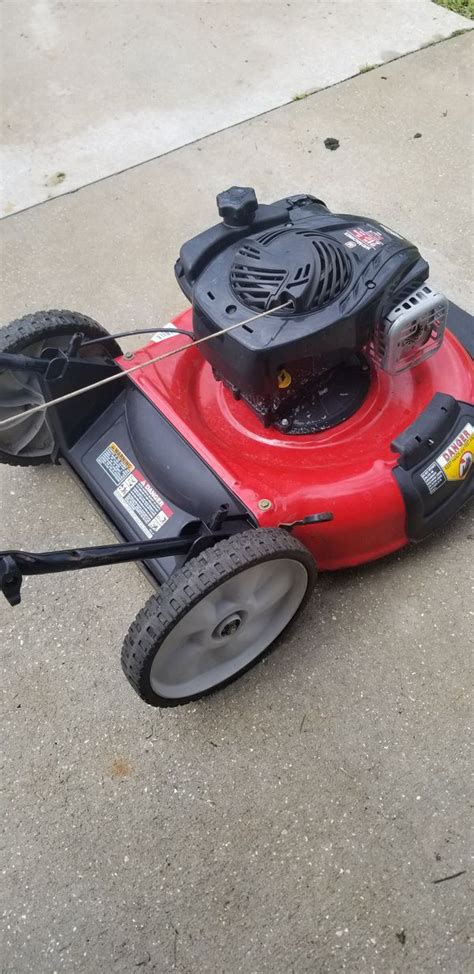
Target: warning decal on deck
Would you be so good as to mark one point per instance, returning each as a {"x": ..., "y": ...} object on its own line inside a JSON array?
[
  {"x": 454, "y": 463},
  {"x": 133, "y": 492},
  {"x": 142, "y": 502},
  {"x": 433, "y": 477},
  {"x": 116, "y": 465},
  {"x": 457, "y": 459}
]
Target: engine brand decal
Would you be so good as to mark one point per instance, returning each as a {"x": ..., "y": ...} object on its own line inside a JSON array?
[
  {"x": 160, "y": 336},
  {"x": 116, "y": 465},
  {"x": 133, "y": 492},
  {"x": 368, "y": 239},
  {"x": 457, "y": 459}
]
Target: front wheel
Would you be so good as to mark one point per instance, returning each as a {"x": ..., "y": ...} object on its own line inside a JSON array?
[
  {"x": 217, "y": 616},
  {"x": 30, "y": 441}
]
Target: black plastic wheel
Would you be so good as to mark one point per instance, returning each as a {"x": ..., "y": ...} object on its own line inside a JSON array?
[
  {"x": 30, "y": 442},
  {"x": 217, "y": 616}
]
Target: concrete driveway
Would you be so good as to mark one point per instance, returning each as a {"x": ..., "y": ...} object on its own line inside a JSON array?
[
  {"x": 308, "y": 818},
  {"x": 91, "y": 88}
]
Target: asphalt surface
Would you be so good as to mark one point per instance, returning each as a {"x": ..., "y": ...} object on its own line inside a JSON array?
[{"x": 309, "y": 818}]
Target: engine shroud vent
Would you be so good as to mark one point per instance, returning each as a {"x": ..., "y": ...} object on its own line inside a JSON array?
[{"x": 301, "y": 269}]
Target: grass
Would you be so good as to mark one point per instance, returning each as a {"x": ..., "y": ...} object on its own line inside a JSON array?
[
  {"x": 463, "y": 7},
  {"x": 368, "y": 67},
  {"x": 304, "y": 94}
]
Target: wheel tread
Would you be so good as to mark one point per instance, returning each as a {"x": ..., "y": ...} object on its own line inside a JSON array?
[
  {"x": 22, "y": 332},
  {"x": 200, "y": 575}
]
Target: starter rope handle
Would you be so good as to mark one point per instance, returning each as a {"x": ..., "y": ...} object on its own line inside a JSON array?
[{"x": 134, "y": 368}]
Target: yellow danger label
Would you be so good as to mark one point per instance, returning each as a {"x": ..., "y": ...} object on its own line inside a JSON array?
[
  {"x": 121, "y": 456},
  {"x": 457, "y": 459}
]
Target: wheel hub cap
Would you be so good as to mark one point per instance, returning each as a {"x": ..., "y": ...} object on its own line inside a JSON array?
[{"x": 229, "y": 628}]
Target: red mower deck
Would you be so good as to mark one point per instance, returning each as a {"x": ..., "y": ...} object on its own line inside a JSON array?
[{"x": 347, "y": 470}]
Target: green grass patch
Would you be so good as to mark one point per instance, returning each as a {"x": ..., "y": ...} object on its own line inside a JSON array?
[
  {"x": 305, "y": 94},
  {"x": 463, "y": 7},
  {"x": 368, "y": 67}
]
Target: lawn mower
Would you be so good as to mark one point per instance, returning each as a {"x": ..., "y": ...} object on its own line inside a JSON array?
[{"x": 312, "y": 409}]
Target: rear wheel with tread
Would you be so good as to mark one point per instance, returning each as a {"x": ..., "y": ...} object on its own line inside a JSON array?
[
  {"x": 217, "y": 616},
  {"x": 30, "y": 441}
]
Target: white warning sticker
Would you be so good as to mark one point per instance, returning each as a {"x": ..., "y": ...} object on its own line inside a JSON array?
[
  {"x": 141, "y": 501},
  {"x": 433, "y": 477},
  {"x": 167, "y": 332}
]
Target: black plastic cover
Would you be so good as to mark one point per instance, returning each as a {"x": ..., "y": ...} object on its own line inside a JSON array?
[
  {"x": 329, "y": 278},
  {"x": 461, "y": 324},
  {"x": 196, "y": 253},
  {"x": 131, "y": 438},
  {"x": 435, "y": 471}
]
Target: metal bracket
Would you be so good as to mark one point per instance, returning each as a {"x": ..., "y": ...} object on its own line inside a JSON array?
[
  {"x": 22, "y": 363},
  {"x": 57, "y": 365},
  {"x": 222, "y": 516},
  {"x": 310, "y": 519},
  {"x": 53, "y": 362}
]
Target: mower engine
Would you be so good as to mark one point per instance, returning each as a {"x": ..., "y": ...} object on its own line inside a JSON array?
[{"x": 336, "y": 290}]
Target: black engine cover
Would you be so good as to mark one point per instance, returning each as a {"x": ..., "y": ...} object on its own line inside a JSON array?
[{"x": 335, "y": 275}]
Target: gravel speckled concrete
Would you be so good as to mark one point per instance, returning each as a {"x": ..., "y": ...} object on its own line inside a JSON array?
[
  {"x": 95, "y": 86},
  {"x": 300, "y": 820}
]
